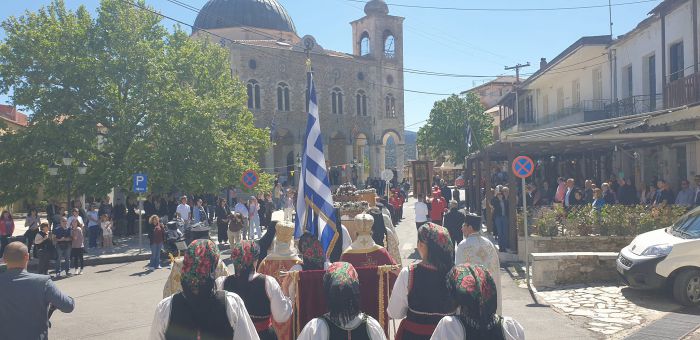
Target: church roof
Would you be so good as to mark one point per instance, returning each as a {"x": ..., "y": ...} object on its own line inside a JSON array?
[{"x": 265, "y": 14}]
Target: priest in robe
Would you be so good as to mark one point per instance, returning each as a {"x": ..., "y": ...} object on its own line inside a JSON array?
[
  {"x": 475, "y": 249},
  {"x": 364, "y": 252},
  {"x": 281, "y": 259}
]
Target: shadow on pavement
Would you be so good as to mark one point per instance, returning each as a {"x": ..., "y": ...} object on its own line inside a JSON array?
[
  {"x": 659, "y": 300},
  {"x": 143, "y": 273}
]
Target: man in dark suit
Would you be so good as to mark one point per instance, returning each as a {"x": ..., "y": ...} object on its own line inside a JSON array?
[{"x": 27, "y": 298}]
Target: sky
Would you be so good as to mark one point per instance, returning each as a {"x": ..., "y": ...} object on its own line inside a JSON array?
[{"x": 454, "y": 41}]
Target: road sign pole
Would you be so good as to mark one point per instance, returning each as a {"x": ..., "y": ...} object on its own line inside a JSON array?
[
  {"x": 527, "y": 254},
  {"x": 140, "y": 224}
]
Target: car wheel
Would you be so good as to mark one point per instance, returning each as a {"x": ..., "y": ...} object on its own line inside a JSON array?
[{"x": 686, "y": 287}]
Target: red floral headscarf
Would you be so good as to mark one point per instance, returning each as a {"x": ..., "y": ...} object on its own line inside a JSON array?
[
  {"x": 474, "y": 291},
  {"x": 243, "y": 256},
  {"x": 436, "y": 234},
  {"x": 311, "y": 251},
  {"x": 342, "y": 287},
  {"x": 199, "y": 263}
]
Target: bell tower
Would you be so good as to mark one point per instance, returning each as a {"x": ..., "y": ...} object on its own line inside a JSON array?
[
  {"x": 378, "y": 35},
  {"x": 378, "y": 43}
]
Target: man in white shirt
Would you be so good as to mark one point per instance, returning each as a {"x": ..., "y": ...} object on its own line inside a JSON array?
[
  {"x": 243, "y": 210},
  {"x": 183, "y": 210},
  {"x": 476, "y": 249},
  {"x": 421, "y": 210}
]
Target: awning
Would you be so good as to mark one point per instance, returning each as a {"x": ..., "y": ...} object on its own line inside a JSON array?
[
  {"x": 687, "y": 113},
  {"x": 546, "y": 146}
]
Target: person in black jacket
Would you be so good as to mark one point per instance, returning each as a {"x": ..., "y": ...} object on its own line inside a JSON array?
[
  {"x": 454, "y": 219},
  {"x": 626, "y": 195},
  {"x": 222, "y": 212}
]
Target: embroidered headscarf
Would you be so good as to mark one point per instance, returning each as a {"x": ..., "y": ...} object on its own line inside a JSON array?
[
  {"x": 244, "y": 255},
  {"x": 474, "y": 290},
  {"x": 441, "y": 251},
  {"x": 342, "y": 287},
  {"x": 311, "y": 252},
  {"x": 199, "y": 265}
]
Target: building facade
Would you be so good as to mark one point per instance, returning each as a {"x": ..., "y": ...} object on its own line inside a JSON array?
[
  {"x": 644, "y": 83},
  {"x": 360, "y": 94}
]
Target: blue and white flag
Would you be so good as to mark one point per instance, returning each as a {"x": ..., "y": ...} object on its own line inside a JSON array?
[
  {"x": 315, "y": 212},
  {"x": 469, "y": 137}
]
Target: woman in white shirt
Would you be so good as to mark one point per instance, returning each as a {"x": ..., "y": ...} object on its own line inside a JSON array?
[
  {"x": 474, "y": 291},
  {"x": 200, "y": 311},
  {"x": 261, "y": 294},
  {"x": 344, "y": 319}
]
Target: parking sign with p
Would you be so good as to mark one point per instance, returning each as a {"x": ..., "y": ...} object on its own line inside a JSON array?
[{"x": 140, "y": 183}]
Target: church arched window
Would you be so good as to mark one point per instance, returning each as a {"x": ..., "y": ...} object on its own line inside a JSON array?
[
  {"x": 390, "y": 103},
  {"x": 361, "y": 102},
  {"x": 337, "y": 101},
  {"x": 389, "y": 45},
  {"x": 364, "y": 44},
  {"x": 283, "y": 97},
  {"x": 253, "y": 95}
]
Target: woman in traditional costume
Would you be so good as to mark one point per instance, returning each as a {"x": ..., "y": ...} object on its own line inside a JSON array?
[
  {"x": 416, "y": 297},
  {"x": 199, "y": 311},
  {"x": 474, "y": 291},
  {"x": 344, "y": 319},
  {"x": 261, "y": 294}
]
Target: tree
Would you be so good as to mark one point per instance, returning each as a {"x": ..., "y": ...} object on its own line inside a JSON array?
[
  {"x": 445, "y": 132},
  {"x": 125, "y": 95}
]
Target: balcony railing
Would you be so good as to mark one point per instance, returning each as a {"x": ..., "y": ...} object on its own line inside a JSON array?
[
  {"x": 684, "y": 91},
  {"x": 634, "y": 105}
]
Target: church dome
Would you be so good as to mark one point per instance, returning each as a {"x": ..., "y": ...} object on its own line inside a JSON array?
[
  {"x": 376, "y": 7},
  {"x": 265, "y": 14}
]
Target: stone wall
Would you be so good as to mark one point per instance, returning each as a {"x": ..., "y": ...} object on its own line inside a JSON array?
[
  {"x": 555, "y": 269},
  {"x": 559, "y": 244}
]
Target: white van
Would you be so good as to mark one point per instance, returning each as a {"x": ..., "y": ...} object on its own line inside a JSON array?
[{"x": 669, "y": 256}]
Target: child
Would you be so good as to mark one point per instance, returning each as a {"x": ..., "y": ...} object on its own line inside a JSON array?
[
  {"x": 78, "y": 246},
  {"x": 106, "y": 225}
]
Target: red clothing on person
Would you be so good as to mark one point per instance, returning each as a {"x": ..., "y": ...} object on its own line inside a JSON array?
[
  {"x": 7, "y": 227},
  {"x": 396, "y": 202},
  {"x": 437, "y": 208},
  {"x": 158, "y": 234}
]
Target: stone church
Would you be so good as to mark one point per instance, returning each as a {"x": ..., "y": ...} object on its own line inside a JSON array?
[{"x": 360, "y": 94}]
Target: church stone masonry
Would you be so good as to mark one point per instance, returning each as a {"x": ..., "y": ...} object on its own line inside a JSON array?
[{"x": 361, "y": 99}]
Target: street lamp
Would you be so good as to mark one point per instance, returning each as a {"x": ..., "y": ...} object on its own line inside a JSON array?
[{"x": 67, "y": 161}]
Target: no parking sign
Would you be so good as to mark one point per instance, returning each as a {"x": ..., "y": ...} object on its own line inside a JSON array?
[{"x": 250, "y": 178}]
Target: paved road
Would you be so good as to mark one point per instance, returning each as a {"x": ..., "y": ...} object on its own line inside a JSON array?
[{"x": 117, "y": 301}]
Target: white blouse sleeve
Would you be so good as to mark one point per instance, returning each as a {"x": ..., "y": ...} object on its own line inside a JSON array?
[
  {"x": 238, "y": 318},
  {"x": 280, "y": 305},
  {"x": 448, "y": 328},
  {"x": 398, "y": 302},
  {"x": 374, "y": 329},
  {"x": 512, "y": 329},
  {"x": 460, "y": 254},
  {"x": 315, "y": 329},
  {"x": 160, "y": 319}
]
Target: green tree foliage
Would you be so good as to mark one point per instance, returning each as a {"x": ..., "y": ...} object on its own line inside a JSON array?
[
  {"x": 125, "y": 95},
  {"x": 445, "y": 132}
]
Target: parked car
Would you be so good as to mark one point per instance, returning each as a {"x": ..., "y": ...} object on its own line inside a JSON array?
[{"x": 668, "y": 257}]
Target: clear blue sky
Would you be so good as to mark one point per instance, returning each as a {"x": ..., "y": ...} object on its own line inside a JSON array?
[{"x": 449, "y": 41}]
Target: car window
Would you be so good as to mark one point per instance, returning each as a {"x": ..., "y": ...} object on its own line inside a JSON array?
[{"x": 688, "y": 226}]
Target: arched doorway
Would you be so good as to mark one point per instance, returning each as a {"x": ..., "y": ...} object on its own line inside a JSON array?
[
  {"x": 284, "y": 145},
  {"x": 337, "y": 149},
  {"x": 360, "y": 156}
]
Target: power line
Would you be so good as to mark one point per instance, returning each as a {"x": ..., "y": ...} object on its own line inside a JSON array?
[
  {"x": 542, "y": 9},
  {"x": 268, "y": 35}
]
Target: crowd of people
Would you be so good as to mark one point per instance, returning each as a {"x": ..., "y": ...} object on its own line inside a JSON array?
[{"x": 258, "y": 297}]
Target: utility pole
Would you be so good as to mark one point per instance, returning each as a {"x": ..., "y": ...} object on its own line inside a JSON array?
[{"x": 517, "y": 82}]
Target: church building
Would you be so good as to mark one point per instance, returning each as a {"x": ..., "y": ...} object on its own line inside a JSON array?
[{"x": 360, "y": 94}]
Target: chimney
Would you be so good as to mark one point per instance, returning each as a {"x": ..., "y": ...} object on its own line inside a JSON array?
[{"x": 543, "y": 63}]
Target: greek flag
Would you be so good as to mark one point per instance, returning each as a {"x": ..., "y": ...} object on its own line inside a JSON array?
[
  {"x": 469, "y": 137},
  {"x": 315, "y": 212}
]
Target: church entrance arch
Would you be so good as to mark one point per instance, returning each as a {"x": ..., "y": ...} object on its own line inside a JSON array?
[
  {"x": 360, "y": 156},
  {"x": 389, "y": 152},
  {"x": 337, "y": 149},
  {"x": 284, "y": 145}
]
